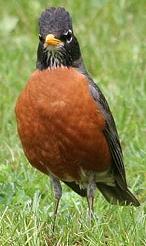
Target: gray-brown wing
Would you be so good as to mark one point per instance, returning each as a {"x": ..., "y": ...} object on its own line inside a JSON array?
[{"x": 111, "y": 135}]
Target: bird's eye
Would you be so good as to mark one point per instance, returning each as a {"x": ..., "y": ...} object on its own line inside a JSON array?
[
  {"x": 67, "y": 36},
  {"x": 41, "y": 38}
]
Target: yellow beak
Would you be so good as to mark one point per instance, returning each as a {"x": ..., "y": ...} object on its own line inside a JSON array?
[{"x": 51, "y": 40}]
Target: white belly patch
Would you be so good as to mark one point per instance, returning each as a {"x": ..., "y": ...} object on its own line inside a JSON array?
[{"x": 98, "y": 177}]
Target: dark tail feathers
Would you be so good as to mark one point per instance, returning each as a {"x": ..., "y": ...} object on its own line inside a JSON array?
[{"x": 116, "y": 195}]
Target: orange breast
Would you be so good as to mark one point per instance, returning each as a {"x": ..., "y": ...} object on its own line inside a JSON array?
[{"x": 60, "y": 125}]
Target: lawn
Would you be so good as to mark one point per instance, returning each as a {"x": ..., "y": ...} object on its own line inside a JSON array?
[{"x": 112, "y": 37}]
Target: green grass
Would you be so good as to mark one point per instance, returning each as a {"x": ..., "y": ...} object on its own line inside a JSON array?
[{"x": 112, "y": 36}]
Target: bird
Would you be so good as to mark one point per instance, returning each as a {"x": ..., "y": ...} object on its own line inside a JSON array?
[{"x": 64, "y": 122}]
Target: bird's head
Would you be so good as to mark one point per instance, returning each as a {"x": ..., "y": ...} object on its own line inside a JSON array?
[{"x": 58, "y": 45}]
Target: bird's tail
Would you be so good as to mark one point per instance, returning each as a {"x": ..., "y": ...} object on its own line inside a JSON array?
[{"x": 116, "y": 195}]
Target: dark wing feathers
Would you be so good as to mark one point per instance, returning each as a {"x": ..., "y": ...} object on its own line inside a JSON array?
[
  {"x": 75, "y": 187},
  {"x": 111, "y": 135},
  {"x": 120, "y": 192},
  {"x": 116, "y": 156}
]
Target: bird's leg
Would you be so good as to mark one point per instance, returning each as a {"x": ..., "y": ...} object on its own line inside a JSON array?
[
  {"x": 91, "y": 188},
  {"x": 57, "y": 193}
]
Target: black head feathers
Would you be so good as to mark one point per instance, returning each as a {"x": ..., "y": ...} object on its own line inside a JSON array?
[
  {"x": 54, "y": 21},
  {"x": 58, "y": 45}
]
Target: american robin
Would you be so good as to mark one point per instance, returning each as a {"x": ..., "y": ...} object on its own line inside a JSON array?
[{"x": 64, "y": 122}]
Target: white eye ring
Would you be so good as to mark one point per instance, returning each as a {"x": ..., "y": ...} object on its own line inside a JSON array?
[
  {"x": 68, "y": 32},
  {"x": 68, "y": 41},
  {"x": 68, "y": 35}
]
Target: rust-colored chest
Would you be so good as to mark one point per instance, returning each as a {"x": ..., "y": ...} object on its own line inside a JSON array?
[{"x": 60, "y": 126}]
